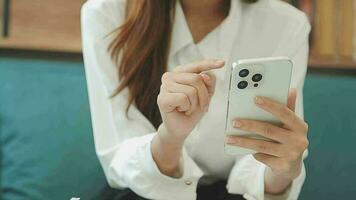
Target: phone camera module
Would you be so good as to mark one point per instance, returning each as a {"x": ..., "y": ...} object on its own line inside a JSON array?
[
  {"x": 242, "y": 85},
  {"x": 243, "y": 73},
  {"x": 257, "y": 77}
]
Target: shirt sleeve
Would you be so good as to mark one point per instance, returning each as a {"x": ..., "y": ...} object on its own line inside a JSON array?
[
  {"x": 247, "y": 175},
  {"x": 123, "y": 144}
]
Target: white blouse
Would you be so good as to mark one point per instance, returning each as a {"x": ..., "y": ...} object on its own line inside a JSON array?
[{"x": 265, "y": 28}]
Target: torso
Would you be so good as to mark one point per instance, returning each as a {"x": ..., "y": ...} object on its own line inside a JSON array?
[{"x": 267, "y": 28}]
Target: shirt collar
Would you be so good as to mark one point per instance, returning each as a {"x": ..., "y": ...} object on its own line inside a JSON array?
[{"x": 181, "y": 35}]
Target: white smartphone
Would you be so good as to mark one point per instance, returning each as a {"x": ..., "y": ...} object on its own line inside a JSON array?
[{"x": 268, "y": 77}]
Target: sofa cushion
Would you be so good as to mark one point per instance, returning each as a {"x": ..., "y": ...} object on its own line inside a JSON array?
[
  {"x": 46, "y": 137},
  {"x": 330, "y": 109},
  {"x": 47, "y": 149}
]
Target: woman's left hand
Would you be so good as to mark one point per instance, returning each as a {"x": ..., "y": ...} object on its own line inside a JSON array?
[{"x": 284, "y": 155}]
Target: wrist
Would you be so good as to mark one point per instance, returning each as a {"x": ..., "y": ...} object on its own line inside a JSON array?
[
  {"x": 293, "y": 172},
  {"x": 169, "y": 140},
  {"x": 166, "y": 157},
  {"x": 277, "y": 182}
]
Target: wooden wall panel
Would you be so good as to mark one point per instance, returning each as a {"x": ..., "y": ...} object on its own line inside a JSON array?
[{"x": 44, "y": 25}]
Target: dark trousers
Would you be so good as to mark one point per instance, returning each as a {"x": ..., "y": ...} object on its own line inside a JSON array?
[{"x": 216, "y": 191}]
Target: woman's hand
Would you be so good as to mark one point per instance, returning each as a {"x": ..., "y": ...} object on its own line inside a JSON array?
[
  {"x": 284, "y": 155},
  {"x": 183, "y": 99}
]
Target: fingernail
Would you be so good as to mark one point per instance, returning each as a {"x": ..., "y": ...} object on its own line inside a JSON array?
[
  {"x": 229, "y": 140},
  {"x": 259, "y": 101},
  {"x": 238, "y": 123},
  {"x": 206, "y": 77}
]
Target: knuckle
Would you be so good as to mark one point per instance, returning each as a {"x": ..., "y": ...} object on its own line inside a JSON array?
[
  {"x": 300, "y": 145},
  {"x": 262, "y": 147},
  {"x": 268, "y": 130},
  {"x": 165, "y": 77},
  {"x": 305, "y": 127},
  {"x": 303, "y": 144},
  {"x": 184, "y": 99},
  {"x": 162, "y": 88},
  {"x": 191, "y": 92},
  {"x": 160, "y": 100},
  {"x": 285, "y": 112},
  {"x": 167, "y": 86},
  {"x": 196, "y": 79}
]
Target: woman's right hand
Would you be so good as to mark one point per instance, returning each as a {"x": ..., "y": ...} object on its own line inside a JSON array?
[{"x": 184, "y": 98}]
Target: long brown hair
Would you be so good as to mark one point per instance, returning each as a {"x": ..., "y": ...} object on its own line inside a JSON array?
[{"x": 141, "y": 49}]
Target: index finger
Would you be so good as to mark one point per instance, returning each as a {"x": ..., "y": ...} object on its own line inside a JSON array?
[
  {"x": 292, "y": 98},
  {"x": 200, "y": 66},
  {"x": 282, "y": 112},
  {"x": 209, "y": 80}
]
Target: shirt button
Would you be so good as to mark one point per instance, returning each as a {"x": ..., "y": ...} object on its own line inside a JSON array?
[{"x": 188, "y": 182}]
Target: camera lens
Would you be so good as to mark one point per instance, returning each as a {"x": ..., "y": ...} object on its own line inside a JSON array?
[
  {"x": 243, "y": 73},
  {"x": 256, "y": 77},
  {"x": 242, "y": 84}
]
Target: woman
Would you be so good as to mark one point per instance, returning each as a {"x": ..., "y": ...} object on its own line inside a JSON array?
[{"x": 157, "y": 88}]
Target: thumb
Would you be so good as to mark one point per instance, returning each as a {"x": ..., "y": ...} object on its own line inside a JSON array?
[
  {"x": 292, "y": 98},
  {"x": 209, "y": 81}
]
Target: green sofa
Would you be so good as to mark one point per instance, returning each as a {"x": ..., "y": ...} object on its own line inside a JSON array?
[{"x": 47, "y": 149}]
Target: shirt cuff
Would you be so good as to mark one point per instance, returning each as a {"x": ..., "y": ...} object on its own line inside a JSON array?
[
  {"x": 146, "y": 180},
  {"x": 247, "y": 178},
  {"x": 293, "y": 191},
  {"x": 183, "y": 188}
]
